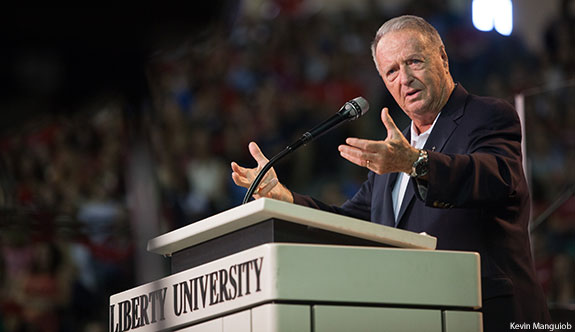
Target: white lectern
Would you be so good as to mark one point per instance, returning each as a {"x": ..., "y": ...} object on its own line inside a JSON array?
[{"x": 271, "y": 266}]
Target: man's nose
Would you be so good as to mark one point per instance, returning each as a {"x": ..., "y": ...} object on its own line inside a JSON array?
[{"x": 405, "y": 75}]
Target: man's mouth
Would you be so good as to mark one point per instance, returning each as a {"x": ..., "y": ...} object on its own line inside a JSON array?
[{"x": 411, "y": 94}]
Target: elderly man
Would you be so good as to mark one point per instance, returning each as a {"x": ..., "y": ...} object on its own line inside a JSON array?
[{"x": 455, "y": 173}]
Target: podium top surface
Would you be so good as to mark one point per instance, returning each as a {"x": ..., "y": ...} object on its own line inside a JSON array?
[{"x": 263, "y": 209}]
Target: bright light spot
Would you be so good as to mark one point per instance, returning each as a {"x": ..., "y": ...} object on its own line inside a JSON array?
[
  {"x": 487, "y": 14},
  {"x": 504, "y": 17},
  {"x": 481, "y": 15}
]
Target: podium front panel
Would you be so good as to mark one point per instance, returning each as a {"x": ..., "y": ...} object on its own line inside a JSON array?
[
  {"x": 340, "y": 318},
  {"x": 462, "y": 321},
  {"x": 304, "y": 275},
  {"x": 368, "y": 319}
]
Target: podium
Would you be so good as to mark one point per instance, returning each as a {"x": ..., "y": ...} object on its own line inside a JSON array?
[{"x": 270, "y": 266}]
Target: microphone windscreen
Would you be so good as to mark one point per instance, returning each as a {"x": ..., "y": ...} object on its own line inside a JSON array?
[{"x": 363, "y": 104}]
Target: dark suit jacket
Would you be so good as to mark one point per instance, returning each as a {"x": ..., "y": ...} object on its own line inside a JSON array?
[{"x": 477, "y": 198}]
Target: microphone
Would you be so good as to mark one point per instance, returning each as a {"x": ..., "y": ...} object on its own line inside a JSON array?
[{"x": 351, "y": 110}]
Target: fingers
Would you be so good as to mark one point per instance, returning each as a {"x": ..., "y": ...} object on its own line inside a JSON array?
[
  {"x": 261, "y": 160},
  {"x": 356, "y": 155},
  {"x": 245, "y": 179},
  {"x": 392, "y": 130},
  {"x": 241, "y": 175},
  {"x": 241, "y": 181},
  {"x": 267, "y": 187},
  {"x": 238, "y": 169},
  {"x": 354, "y": 159},
  {"x": 362, "y": 144},
  {"x": 257, "y": 154},
  {"x": 360, "y": 148}
]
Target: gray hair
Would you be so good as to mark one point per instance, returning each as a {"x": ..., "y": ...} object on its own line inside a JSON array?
[{"x": 406, "y": 22}]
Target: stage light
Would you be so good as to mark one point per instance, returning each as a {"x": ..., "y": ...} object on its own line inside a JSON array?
[
  {"x": 481, "y": 15},
  {"x": 504, "y": 17},
  {"x": 489, "y": 14}
]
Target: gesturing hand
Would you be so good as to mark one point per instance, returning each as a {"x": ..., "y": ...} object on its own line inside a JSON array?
[
  {"x": 394, "y": 154},
  {"x": 269, "y": 186}
]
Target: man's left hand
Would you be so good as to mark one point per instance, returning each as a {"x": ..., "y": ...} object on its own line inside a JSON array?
[{"x": 394, "y": 154}]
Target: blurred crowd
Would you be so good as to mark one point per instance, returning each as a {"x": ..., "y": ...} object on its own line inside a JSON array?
[{"x": 66, "y": 236}]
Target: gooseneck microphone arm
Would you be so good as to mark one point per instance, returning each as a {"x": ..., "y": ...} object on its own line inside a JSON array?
[{"x": 351, "y": 110}]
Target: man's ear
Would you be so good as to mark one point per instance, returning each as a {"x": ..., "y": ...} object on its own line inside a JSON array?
[{"x": 443, "y": 55}]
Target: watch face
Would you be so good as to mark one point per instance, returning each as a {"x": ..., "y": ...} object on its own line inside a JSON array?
[
  {"x": 421, "y": 165},
  {"x": 421, "y": 168}
]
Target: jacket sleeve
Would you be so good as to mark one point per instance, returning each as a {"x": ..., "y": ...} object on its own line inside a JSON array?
[
  {"x": 490, "y": 172},
  {"x": 359, "y": 206}
]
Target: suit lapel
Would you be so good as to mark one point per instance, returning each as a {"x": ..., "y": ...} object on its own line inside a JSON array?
[
  {"x": 440, "y": 134},
  {"x": 407, "y": 198},
  {"x": 442, "y": 131},
  {"x": 389, "y": 217},
  {"x": 409, "y": 193}
]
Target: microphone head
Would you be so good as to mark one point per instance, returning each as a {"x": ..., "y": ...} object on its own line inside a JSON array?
[
  {"x": 363, "y": 104},
  {"x": 356, "y": 107}
]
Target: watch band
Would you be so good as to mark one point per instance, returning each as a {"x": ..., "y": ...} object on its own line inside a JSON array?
[{"x": 420, "y": 167}]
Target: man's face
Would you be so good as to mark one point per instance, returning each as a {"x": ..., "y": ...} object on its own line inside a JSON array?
[{"x": 415, "y": 72}]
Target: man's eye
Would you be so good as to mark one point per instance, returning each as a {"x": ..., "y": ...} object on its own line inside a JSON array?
[{"x": 391, "y": 72}]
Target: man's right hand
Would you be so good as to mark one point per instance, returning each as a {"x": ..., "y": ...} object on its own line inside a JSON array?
[{"x": 269, "y": 187}]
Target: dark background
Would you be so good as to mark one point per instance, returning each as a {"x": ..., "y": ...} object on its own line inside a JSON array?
[{"x": 54, "y": 59}]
